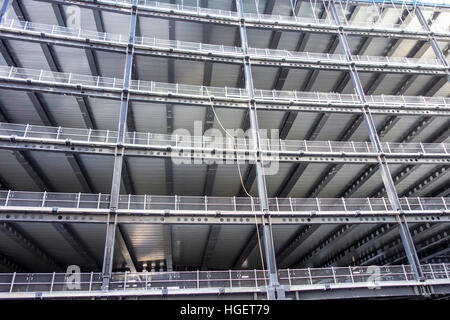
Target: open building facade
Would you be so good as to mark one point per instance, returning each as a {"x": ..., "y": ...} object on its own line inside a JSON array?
[{"x": 118, "y": 180}]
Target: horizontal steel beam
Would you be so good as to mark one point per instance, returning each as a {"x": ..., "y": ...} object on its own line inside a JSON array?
[
  {"x": 231, "y": 19},
  {"x": 232, "y": 55},
  {"x": 197, "y": 155},
  {"x": 272, "y": 104}
]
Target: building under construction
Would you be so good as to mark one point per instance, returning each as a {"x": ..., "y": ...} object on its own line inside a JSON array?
[{"x": 258, "y": 149}]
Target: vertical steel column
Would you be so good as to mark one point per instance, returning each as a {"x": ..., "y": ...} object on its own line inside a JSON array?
[
  {"x": 274, "y": 290},
  {"x": 434, "y": 44},
  {"x": 119, "y": 154},
  {"x": 405, "y": 235},
  {"x": 5, "y": 7}
]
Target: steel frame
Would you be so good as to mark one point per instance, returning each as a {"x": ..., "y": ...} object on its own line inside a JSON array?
[{"x": 114, "y": 215}]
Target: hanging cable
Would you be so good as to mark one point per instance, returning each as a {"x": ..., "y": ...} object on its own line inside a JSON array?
[{"x": 243, "y": 188}]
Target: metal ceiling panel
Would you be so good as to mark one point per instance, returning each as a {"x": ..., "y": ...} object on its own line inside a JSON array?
[
  {"x": 342, "y": 178},
  {"x": 94, "y": 236},
  {"x": 296, "y": 79},
  {"x": 188, "y": 72},
  {"x": 72, "y": 60},
  {"x": 146, "y": 240},
  {"x": 398, "y": 131},
  {"x": 224, "y": 75},
  {"x": 148, "y": 175},
  {"x": 309, "y": 176},
  {"x": 28, "y": 54},
  {"x": 326, "y": 80},
  {"x": 186, "y": 241},
  {"x": 105, "y": 112},
  {"x": 23, "y": 257},
  {"x": 14, "y": 174},
  {"x": 149, "y": 117},
  {"x": 99, "y": 169},
  {"x": 301, "y": 126},
  {"x": 264, "y": 77},
  {"x": 116, "y": 23},
  {"x": 230, "y": 241},
  {"x": 226, "y": 181},
  {"x": 19, "y": 107},
  {"x": 49, "y": 238},
  {"x": 147, "y": 26},
  {"x": 65, "y": 110},
  {"x": 111, "y": 64},
  {"x": 188, "y": 179},
  {"x": 40, "y": 12},
  {"x": 57, "y": 170},
  {"x": 333, "y": 127},
  {"x": 152, "y": 69}
]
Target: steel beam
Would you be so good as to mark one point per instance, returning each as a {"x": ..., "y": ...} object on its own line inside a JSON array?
[
  {"x": 250, "y": 244},
  {"x": 18, "y": 236},
  {"x": 208, "y": 251},
  {"x": 339, "y": 232},
  {"x": 41, "y": 109},
  {"x": 125, "y": 248},
  {"x": 86, "y": 112},
  {"x": 119, "y": 156},
  {"x": 33, "y": 170},
  {"x": 126, "y": 177},
  {"x": 168, "y": 247},
  {"x": 273, "y": 290},
  {"x": 73, "y": 239},
  {"x": 431, "y": 177},
  {"x": 11, "y": 265},
  {"x": 4, "y": 9},
  {"x": 299, "y": 237},
  {"x": 80, "y": 171},
  {"x": 362, "y": 243},
  {"x": 385, "y": 173}
]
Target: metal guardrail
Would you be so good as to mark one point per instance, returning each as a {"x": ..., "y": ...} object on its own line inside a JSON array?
[
  {"x": 268, "y": 54},
  {"x": 291, "y": 278},
  {"x": 62, "y": 134},
  {"x": 204, "y": 203},
  {"x": 268, "y": 18},
  {"x": 160, "y": 88}
]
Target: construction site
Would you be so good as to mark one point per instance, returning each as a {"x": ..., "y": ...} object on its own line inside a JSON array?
[{"x": 217, "y": 149}]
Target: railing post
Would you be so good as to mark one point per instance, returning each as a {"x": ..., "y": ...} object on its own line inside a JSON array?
[
  {"x": 351, "y": 274},
  {"x": 12, "y": 282},
  {"x": 198, "y": 279},
  {"x": 404, "y": 272},
  {"x": 310, "y": 276},
  {"x": 445, "y": 270},
  {"x": 7, "y": 198},
  {"x": 90, "y": 281},
  {"x": 146, "y": 280},
  {"x": 443, "y": 201},
  {"x": 53, "y": 281},
  {"x": 431, "y": 270},
  {"x": 289, "y": 277},
  {"x": 125, "y": 280},
  {"x": 334, "y": 274},
  {"x": 43, "y": 199},
  {"x": 256, "y": 278},
  {"x": 231, "y": 282}
]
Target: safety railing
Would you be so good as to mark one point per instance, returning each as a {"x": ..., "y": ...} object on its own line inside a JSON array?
[
  {"x": 204, "y": 92},
  {"x": 370, "y": 276},
  {"x": 271, "y": 18},
  {"x": 62, "y": 134},
  {"x": 268, "y": 54},
  {"x": 204, "y": 203}
]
